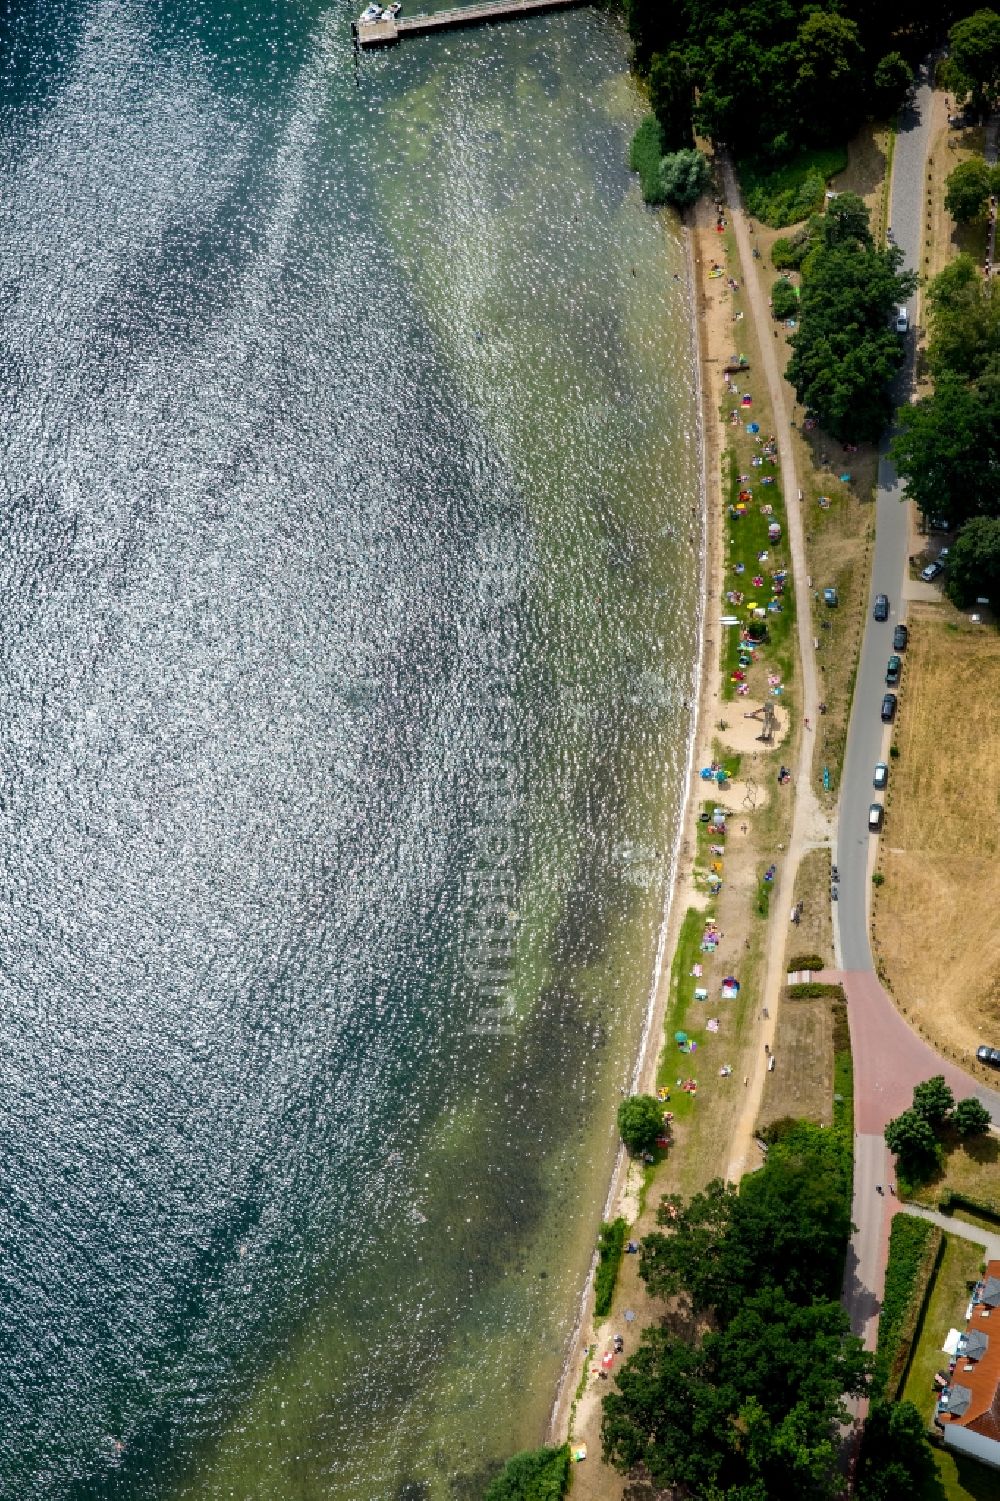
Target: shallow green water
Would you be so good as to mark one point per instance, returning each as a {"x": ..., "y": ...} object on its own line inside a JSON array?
[{"x": 351, "y": 477}]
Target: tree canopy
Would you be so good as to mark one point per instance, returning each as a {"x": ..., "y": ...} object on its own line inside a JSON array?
[
  {"x": 845, "y": 352},
  {"x": 968, "y": 190},
  {"x": 974, "y": 57},
  {"x": 752, "y": 1410},
  {"x": 640, "y": 1122},
  {"x": 895, "y": 1459},
  {"x": 773, "y": 78},
  {"x": 532, "y": 1475},
  {"x": 974, "y": 566},
  {"x": 684, "y": 176}
]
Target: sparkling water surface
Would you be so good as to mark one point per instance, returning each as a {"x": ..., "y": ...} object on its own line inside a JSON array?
[{"x": 349, "y": 566}]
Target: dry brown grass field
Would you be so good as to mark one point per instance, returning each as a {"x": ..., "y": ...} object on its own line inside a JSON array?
[{"x": 937, "y": 939}]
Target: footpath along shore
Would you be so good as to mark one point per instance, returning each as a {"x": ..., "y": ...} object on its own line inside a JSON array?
[{"x": 577, "y": 1410}]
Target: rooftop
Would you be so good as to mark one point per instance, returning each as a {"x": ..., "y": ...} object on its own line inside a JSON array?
[{"x": 973, "y": 1398}]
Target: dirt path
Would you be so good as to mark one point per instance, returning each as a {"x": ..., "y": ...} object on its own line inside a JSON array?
[{"x": 809, "y": 824}]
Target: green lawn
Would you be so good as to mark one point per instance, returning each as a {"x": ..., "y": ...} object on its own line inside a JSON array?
[{"x": 957, "y": 1479}]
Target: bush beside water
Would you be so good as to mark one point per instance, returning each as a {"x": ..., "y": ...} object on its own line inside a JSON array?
[
  {"x": 645, "y": 155},
  {"x": 610, "y": 1249}
]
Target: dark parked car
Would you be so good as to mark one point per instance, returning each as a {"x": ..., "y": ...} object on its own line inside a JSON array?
[
  {"x": 932, "y": 571},
  {"x": 888, "y": 708},
  {"x": 939, "y": 524},
  {"x": 874, "y": 817},
  {"x": 990, "y": 1056},
  {"x": 892, "y": 670},
  {"x": 900, "y": 636},
  {"x": 881, "y": 607}
]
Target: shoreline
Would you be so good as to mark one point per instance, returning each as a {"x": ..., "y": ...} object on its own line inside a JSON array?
[{"x": 705, "y": 688}]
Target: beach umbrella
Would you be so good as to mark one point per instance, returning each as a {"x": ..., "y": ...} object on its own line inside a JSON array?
[
  {"x": 629, "y": 1316},
  {"x": 680, "y": 1037}
]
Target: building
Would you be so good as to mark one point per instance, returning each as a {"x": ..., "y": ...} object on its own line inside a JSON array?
[{"x": 968, "y": 1411}]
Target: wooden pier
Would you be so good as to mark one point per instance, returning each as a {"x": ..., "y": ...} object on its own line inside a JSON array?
[{"x": 385, "y": 33}]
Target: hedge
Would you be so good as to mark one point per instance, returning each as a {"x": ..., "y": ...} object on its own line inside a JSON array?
[
  {"x": 610, "y": 1249},
  {"x": 815, "y": 990},
  {"x": 915, "y": 1248},
  {"x": 951, "y": 1200},
  {"x": 806, "y": 961}
]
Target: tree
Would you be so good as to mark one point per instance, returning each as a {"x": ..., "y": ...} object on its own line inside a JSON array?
[
  {"x": 891, "y": 84},
  {"x": 913, "y": 1142},
  {"x": 754, "y": 1411},
  {"x": 684, "y": 176},
  {"x": 846, "y": 222},
  {"x": 671, "y": 98},
  {"x": 696, "y": 1257},
  {"x": 532, "y": 1475},
  {"x": 968, "y": 190},
  {"x": 974, "y": 570},
  {"x": 896, "y": 1459},
  {"x": 974, "y": 56},
  {"x": 972, "y": 1118},
  {"x": 667, "y": 1415},
  {"x": 964, "y": 320},
  {"x": 784, "y": 299},
  {"x": 947, "y": 449},
  {"x": 934, "y": 1101},
  {"x": 844, "y": 352},
  {"x": 827, "y": 62},
  {"x": 640, "y": 1122}
]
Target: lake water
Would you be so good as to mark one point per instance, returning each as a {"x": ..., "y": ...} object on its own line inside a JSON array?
[{"x": 350, "y": 572}]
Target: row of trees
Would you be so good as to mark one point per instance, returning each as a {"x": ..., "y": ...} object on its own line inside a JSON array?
[
  {"x": 844, "y": 352},
  {"x": 915, "y": 1135},
  {"x": 948, "y": 445},
  {"x": 775, "y": 77},
  {"x": 752, "y": 1406}
]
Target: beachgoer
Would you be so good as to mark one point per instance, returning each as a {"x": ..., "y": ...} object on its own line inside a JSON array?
[{"x": 878, "y": 1189}]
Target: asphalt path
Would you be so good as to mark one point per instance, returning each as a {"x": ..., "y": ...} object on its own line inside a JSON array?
[
  {"x": 889, "y": 1057},
  {"x": 868, "y": 738}
]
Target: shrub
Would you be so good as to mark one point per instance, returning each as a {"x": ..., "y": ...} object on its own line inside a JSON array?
[
  {"x": 811, "y": 990},
  {"x": 790, "y": 192},
  {"x": 645, "y": 156},
  {"x": 806, "y": 961},
  {"x": 532, "y": 1475},
  {"x": 784, "y": 299},
  {"x": 610, "y": 1249}
]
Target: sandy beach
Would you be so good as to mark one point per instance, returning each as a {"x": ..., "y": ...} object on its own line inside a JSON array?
[{"x": 577, "y": 1411}]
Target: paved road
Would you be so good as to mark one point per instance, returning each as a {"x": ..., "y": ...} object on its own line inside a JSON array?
[
  {"x": 889, "y": 1058},
  {"x": 868, "y": 739}
]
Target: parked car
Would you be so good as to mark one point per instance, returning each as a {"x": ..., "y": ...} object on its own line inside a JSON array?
[
  {"x": 893, "y": 668},
  {"x": 881, "y": 776},
  {"x": 932, "y": 571},
  {"x": 831, "y": 598},
  {"x": 900, "y": 637},
  {"x": 881, "y": 611},
  {"x": 902, "y": 321},
  {"x": 990, "y": 1056},
  {"x": 939, "y": 524},
  {"x": 874, "y": 817},
  {"x": 888, "y": 708}
]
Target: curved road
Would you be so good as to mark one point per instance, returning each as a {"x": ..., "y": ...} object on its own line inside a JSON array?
[{"x": 889, "y": 1058}]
